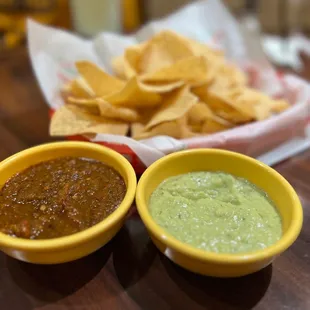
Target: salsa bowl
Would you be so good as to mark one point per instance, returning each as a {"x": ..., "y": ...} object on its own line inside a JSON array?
[
  {"x": 211, "y": 263},
  {"x": 77, "y": 245}
]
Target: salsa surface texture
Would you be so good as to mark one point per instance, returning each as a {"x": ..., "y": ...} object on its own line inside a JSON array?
[
  {"x": 59, "y": 197},
  {"x": 216, "y": 211}
]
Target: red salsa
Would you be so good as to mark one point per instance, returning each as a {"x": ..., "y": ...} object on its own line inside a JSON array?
[{"x": 59, "y": 197}]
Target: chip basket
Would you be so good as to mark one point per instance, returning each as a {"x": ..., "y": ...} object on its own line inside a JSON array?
[{"x": 140, "y": 167}]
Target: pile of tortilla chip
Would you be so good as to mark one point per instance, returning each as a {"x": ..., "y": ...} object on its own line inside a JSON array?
[{"x": 169, "y": 85}]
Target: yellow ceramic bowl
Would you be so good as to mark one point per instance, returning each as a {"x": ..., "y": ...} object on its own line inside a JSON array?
[
  {"x": 209, "y": 263},
  {"x": 71, "y": 247}
]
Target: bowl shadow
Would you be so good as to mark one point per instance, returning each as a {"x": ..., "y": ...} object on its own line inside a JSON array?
[
  {"x": 50, "y": 283},
  {"x": 220, "y": 293},
  {"x": 133, "y": 253}
]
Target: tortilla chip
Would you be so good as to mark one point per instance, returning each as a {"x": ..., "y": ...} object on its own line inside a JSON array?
[
  {"x": 255, "y": 103},
  {"x": 215, "y": 124},
  {"x": 201, "y": 119},
  {"x": 161, "y": 87},
  {"x": 122, "y": 68},
  {"x": 100, "y": 82},
  {"x": 118, "y": 66},
  {"x": 137, "y": 129},
  {"x": 202, "y": 49},
  {"x": 85, "y": 102},
  {"x": 80, "y": 88},
  {"x": 188, "y": 133},
  {"x": 261, "y": 112},
  {"x": 199, "y": 113},
  {"x": 224, "y": 106},
  {"x": 175, "y": 106},
  {"x": 230, "y": 110},
  {"x": 133, "y": 55},
  {"x": 110, "y": 111},
  {"x": 133, "y": 95},
  {"x": 260, "y": 103},
  {"x": 89, "y": 105},
  {"x": 163, "y": 50},
  {"x": 128, "y": 70},
  {"x": 171, "y": 129},
  {"x": 177, "y": 129},
  {"x": 228, "y": 76},
  {"x": 127, "y": 66},
  {"x": 190, "y": 70},
  {"x": 77, "y": 88},
  {"x": 278, "y": 106},
  {"x": 70, "y": 120},
  {"x": 106, "y": 109}
]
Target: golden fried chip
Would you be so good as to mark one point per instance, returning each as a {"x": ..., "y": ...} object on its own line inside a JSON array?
[
  {"x": 256, "y": 104},
  {"x": 122, "y": 68},
  {"x": 164, "y": 50},
  {"x": 137, "y": 129},
  {"x": 160, "y": 87},
  {"x": 118, "y": 66},
  {"x": 201, "y": 119},
  {"x": 201, "y": 49},
  {"x": 128, "y": 70},
  {"x": 127, "y": 65},
  {"x": 195, "y": 128},
  {"x": 70, "y": 120},
  {"x": 133, "y": 95},
  {"x": 177, "y": 129},
  {"x": 255, "y": 101},
  {"x": 100, "y": 82},
  {"x": 278, "y": 106},
  {"x": 199, "y": 113},
  {"x": 89, "y": 105},
  {"x": 190, "y": 70},
  {"x": 188, "y": 133},
  {"x": 85, "y": 102},
  {"x": 224, "y": 106},
  {"x": 261, "y": 111},
  {"x": 76, "y": 88},
  {"x": 106, "y": 109},
  {"x": 133, "y": 55},
  {"x": 232, "y": 73},
  {"x": 144, "y": 117},
  {"x": 175, "y": 106},
  {"x": 119, "y": 113},
  {"x": 80, "y": 88},
  {"x": 227, "y": 78},
  {"x": 171, "y": 129},
  {"x": 215, "y": 124}
]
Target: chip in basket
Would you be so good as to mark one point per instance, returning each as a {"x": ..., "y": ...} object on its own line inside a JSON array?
[{"x": 70, "y": 120}]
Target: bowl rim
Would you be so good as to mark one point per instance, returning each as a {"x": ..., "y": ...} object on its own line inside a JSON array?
[
  {"x": 221, "y": 258},
  {"x": 73, "y": 240}
]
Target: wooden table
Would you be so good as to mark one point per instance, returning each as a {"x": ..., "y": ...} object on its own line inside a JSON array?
[{"x": 129, "y": 273}]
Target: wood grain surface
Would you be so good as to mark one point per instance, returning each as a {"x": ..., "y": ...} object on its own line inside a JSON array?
[{"x": 129, "y": 273}]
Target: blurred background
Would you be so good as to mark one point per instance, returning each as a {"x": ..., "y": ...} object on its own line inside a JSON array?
[{"x": 283, "y": 24}]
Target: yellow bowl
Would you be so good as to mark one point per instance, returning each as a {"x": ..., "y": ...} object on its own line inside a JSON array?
[
  {"x": 209, "y": 263},
  {"x": 68, "y": 248}
]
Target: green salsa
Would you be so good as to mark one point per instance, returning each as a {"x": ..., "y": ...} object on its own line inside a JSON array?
[{"x": 216, "y": 211}]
